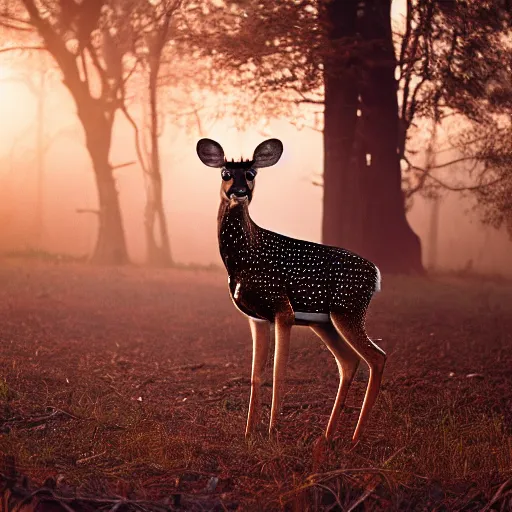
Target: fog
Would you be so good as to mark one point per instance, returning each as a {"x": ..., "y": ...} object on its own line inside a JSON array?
[{"x": 285, "y": 201}]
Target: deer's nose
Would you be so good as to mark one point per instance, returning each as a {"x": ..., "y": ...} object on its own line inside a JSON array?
[{"x": 240, "y": 191}]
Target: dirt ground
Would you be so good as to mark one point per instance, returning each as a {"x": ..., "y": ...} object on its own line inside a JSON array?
[{"x": 133, "y": 384}]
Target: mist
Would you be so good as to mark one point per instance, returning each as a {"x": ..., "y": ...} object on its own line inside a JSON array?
[
  {"x": 135, "y": 372},
  {"x": 286, "y": 199}
]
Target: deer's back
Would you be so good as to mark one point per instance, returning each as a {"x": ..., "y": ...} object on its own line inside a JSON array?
[{"x": 279, "y": 271}]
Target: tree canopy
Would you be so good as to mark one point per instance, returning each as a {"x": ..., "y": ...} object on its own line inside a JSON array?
[{"x": 453, "y": 62}]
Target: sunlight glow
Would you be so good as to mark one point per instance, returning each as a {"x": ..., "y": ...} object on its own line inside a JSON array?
[{"x": 5, "y": 73}]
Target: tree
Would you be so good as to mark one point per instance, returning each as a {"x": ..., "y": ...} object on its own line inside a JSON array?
[
  {"x": 109, "y": 52},
  {"x": 160, "y": 14},
  {"x": 339, "y": 55},
  {"x": 376, "y": 88},
  {"x": 78, "y": 40},
  {"x": 465, "y": 67},
  {"x": 364, "y": 208},
  {"x": 151, "y": 25}
]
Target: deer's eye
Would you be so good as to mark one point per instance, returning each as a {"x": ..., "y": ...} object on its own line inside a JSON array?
[
  {"x": 226, "y": 175},
  {"x": 250, "y": 175}
]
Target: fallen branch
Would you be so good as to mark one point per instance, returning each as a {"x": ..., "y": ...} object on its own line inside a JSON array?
[
  {"x": 370, "y": 489},
  {"x": 499, "y": 494},
  {"x": 66, "y": 413},
  {"x": 92, "y": 457},
  {"x": 35, "y": 421},
  {"x": 15, "y": 495}
]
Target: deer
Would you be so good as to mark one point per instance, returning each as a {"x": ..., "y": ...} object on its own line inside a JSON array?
[{"x": 281, "y": 281}]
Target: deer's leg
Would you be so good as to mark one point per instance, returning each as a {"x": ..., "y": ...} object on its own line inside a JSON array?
[
  {"x": 355, "y": 335},
  {"x": 347, "y": 361},
  {"x": 260, "y": 331},
  {"x": 283, "y": 328}
]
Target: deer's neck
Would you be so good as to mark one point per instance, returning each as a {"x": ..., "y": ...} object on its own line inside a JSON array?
[{"x": 237, "y": 235}]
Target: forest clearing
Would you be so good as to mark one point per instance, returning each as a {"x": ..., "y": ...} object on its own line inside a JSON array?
[{"x": 132, "y": 384}]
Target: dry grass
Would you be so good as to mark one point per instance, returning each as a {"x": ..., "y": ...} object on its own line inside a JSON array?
[{"x": 134, "y": 383}]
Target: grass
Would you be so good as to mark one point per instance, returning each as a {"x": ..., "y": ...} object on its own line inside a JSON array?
[{"x": 134, "y": 382}]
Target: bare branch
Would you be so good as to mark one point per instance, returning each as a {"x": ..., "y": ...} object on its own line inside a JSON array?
[
  {"x": 198, "y": 121},
  {"x": 55, "y": 46},
  {"x": 99, "y": 68},
  {"x": 11, "y": 22},
  {"x": 455, "y": 161},
  {"x": 131, "y": 72},
  {"x": 427, "y": 174},
  {"x": 87, "y": 210},
  {"x": 305, "y": 99},
  {"x": 21, "y": 48},
  {"x": 130, "y": 119},
  {"x": 125, "y": 164}
]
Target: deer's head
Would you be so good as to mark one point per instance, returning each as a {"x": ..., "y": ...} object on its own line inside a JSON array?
[{"x": 238, "y": 177}]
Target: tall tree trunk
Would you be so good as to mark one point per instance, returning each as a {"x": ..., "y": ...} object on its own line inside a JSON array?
[
  {"x": 389, "y": 240},
  {"x": 364, "y": 209},
  {"x": 158, "y": 254},
  {"x": 342, "y": 214},
  {"x": 96, "y": 115},
  {"x": 110, "y": 246}
]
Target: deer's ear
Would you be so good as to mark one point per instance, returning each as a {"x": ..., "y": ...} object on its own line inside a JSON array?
[
  {"x": 268, "y": 153},
  {"x": 210, "y": 153}
]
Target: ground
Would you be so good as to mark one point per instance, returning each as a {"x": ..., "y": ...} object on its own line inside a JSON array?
[{"x": 133, "y": 384}]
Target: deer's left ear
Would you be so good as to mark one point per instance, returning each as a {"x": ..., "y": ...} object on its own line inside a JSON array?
[
  {"x": 210, "y": 153},
  {"x": 267, "y": 153}
]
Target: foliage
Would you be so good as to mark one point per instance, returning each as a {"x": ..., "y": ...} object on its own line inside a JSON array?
[
  {"x": 453, "y": 57},
  {"x": 264, "y": 53},
  {"x": 460, "y": 58}
]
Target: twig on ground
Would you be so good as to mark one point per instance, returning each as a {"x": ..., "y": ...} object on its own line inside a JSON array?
[
  {"x": 35, "y": 421},
  {"x": 92, "y": 457},
  {"x": 499, "y": 494},
  {"x": 66, "y": 413},
  {"x": 336, "y": 497},
  {"x": 372, "y": 485}
]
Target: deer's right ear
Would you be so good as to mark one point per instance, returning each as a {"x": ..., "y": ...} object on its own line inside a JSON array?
[
  {"x": 267, "y": 153},
  {"x": 210, "y": 153}
]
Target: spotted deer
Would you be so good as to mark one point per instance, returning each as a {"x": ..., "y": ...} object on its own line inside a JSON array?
[{"x": 274, "y": 279}]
